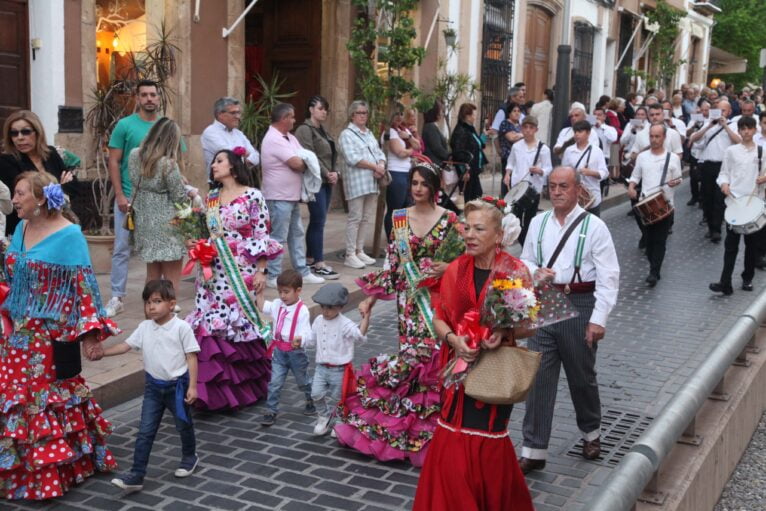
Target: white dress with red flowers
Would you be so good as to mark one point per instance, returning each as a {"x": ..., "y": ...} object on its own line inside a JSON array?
[{"x": 52, "y": 433}]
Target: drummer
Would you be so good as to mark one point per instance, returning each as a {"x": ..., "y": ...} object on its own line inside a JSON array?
[
  {"x": 588, "y": 160},
  {"x": 529, "y": 161},
  {"x": 740, "y": 176},
  {"x": 658, "y": 171},
  {"x": 566, "y": 135}
]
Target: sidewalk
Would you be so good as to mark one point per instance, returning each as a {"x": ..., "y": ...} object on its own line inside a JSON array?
[{"x": 118, "y": 379}]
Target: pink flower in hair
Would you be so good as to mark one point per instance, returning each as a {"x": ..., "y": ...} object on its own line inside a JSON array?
[{"x": 239, "y": 151}]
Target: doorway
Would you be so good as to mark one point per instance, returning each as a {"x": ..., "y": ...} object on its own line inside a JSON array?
[
  {"x": 14, "y": 57},
  {"x": 537, "y": 49}
]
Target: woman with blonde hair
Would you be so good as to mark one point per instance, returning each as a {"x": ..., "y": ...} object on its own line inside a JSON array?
[{"x": 158, "y": 185}]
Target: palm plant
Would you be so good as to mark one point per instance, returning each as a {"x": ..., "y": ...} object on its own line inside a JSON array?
[{"x": 256, "y": 114}]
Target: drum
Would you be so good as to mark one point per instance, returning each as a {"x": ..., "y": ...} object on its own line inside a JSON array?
[
  {"x": 523, "y": 195},
  {"x": 585, "y": 199},
  {"x": 746, "y": 215},
  {"x": 653, "y": 209}
]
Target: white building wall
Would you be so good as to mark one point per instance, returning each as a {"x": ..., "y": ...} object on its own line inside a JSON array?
[{"x": 46, "y": 22}]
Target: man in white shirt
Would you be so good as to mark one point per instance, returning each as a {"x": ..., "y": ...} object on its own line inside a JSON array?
[
  {"x": 672, "y": 140},
  {"x": 656, "y": 170},
  {"x": 695, "y": 150},
  {"x": 673, "y": 122},
  {"x": 588, "y": 160},
  {"x": 740, "y": 176},
  {"x": 606, "y": 134},
  {"x": 224, "y": 132},
  {"x": 588, "y": 271},
  {"x": 760, "y": 134},
  {"x": 566, "y": 135},
  {"x": 515, "y": 95},
  {"x": 530, "y": 160},
  {"x": 718, "y": 135}
]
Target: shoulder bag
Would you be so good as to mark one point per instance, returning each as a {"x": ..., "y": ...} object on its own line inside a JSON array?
[
  {"x": 503, "y": 376},
  {"x": 129, "y": 223},
  {"x": 386, "y": 178}
]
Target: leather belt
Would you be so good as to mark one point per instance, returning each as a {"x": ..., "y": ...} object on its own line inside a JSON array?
[{"x": 577, "y": 288}]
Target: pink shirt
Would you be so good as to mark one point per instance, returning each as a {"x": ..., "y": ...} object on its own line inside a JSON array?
[{"x": 280, "y": 182}]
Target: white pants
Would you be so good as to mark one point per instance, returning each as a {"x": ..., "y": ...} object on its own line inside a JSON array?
[{"x": 361, "y": 213}]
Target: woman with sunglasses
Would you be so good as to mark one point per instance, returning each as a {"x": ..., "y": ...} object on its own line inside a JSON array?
[{"x": 26, "y": 148}]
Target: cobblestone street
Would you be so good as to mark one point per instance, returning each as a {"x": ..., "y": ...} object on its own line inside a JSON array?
[{"x": 655, "y": 338}]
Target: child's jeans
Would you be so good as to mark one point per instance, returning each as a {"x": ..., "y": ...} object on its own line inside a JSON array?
[
  {"x": 282, "y": 362},
  {"x": 156, "y": 399},
  {"x": 326, "y": 389}
]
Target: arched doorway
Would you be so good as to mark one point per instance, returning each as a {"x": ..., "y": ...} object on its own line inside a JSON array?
[{"x": 537, "y": 51}]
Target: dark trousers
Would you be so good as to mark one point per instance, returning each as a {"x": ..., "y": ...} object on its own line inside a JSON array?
[
  {"x": 317, "y": 217},
  {"x": 156, "y": 400},
  {"x": 695, "y": 178},
  {"x": 656, "y": 237},
  {"x": 712, "y": 197},
  {"x": 503, "y": 189},
  {"x": 730, "y": 250},
  {"x": 525, "y": 216},
  {"x": 397, "y": 197},
  {"x": 596, "y": 210},
  {"x": 472, "y": 189}
]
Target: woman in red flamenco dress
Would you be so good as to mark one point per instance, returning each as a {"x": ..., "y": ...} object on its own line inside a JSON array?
[{"x": 471, "y": 465}]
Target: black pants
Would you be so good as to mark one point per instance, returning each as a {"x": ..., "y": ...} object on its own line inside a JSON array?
[
  {"x": 695, "y": 178},
  {"x": 730, "y": 250},
  {"x": 712, "y": 197},
  {"x": 525, "y": 216},
  {"x": 472, "y": 189},
  {"x": 656, "y": 236},
  {"x": 503, "y": 189}
]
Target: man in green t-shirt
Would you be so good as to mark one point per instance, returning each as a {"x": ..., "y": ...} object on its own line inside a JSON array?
[{"x": 127, "y": 135}]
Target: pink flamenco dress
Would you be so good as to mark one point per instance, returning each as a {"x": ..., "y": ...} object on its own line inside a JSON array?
[
  {"x": 52, "y": 433},
  {"x": 234, "y": 370},
  {"x": 392, "y": 414}
]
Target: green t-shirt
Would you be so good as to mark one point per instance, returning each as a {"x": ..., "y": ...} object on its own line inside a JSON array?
[{"x": 127, "y": 135}]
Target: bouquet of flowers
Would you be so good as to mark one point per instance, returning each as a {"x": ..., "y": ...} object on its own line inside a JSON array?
[
  {"x": 451, "y": 247},
  {"x": 508, "y": 304},
  {"x": 190, "y": 221}
]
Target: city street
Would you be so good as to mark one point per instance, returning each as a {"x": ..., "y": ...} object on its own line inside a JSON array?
[{"x": 655, "y": 339}]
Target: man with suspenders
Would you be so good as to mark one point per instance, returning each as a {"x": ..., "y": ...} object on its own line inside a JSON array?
[
  {"x": 573, "y": 250},
  {"x": 588, "y": 160},
  {"x": 740, "y": 176}
]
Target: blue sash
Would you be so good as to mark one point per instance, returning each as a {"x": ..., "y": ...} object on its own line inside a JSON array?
[{"x": 180, "y": 383}]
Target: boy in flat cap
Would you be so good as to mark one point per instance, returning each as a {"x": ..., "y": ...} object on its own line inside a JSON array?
[{"x": 334, "y": 336}]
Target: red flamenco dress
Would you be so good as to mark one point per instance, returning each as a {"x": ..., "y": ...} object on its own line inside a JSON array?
[
  {"x": 471, "y": 465},
  {"x": 52, "y": 433}
]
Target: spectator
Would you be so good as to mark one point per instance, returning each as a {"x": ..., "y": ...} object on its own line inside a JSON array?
[
  {"x": 631, "y": 103},
  {"x": 282, "y": 182},
  {"x": 615, "y": 114},
  {"x": 434, "y": 141},
  {"x": 410, "y": 121},
  {"x": 467, "y": 147},
  {"x": 509, "y": 133},
  {"x": 515, "y": 95},
  {"x": 224, "y": 132},
  {"x": 365, "y": 164},
  {"x": 542, "y": 111},
  {"x": 400, "y": 146},
  {"x": 312, "y": 136}
]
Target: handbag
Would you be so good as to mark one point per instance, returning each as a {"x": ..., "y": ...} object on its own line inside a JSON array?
[
  {"x": 503, "y": 376},
  {"x": 129, "y": 222}
]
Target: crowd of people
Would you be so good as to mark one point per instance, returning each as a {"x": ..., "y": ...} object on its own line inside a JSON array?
[{"x": 438, "y": 268}]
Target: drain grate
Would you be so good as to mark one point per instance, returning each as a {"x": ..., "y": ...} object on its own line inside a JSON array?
[{"x": 619, "y": 431}]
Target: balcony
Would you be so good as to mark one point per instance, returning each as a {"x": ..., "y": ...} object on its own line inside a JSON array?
[{"x": 707, "y": 7}]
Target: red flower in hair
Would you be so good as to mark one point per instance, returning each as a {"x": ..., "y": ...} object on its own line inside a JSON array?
[
  {"x": 239, "y": 151},
  {"x": 488, "y": 198},
  {"x": 501, "y": 203}
]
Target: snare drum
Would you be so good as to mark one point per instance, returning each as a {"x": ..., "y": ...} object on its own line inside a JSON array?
[
  {"x": 523, "y": 195},
  {"x": 585, "y": 199},
  {"x": 653, "y": 209},
  {"x": 746, "y": 215}
]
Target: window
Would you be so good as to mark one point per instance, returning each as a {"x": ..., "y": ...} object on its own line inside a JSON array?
[
  {"x": 497, "y": 49},
  {"x": 582, "y": 70}
]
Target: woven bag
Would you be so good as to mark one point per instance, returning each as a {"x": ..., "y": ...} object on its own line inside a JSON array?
[{"x": 503, "y": 376}]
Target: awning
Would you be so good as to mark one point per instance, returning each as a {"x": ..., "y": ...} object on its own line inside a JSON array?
[{"x": 723, "y": 62}]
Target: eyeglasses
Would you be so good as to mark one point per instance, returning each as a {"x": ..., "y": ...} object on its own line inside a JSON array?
[
  {"x": 365, "y": 112},
  {"x": 234, "y": 112},
  {"x": 25, "y": 132}
]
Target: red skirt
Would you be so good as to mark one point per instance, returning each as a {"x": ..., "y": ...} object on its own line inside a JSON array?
[{"x": 465, "y": 472}]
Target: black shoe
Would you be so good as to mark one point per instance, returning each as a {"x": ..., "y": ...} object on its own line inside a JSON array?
[
  {"x": 325, "y": 272},
  {"x": 651, "y": 280},
  {"x": 747, "y": 286},
  {"x": 129, "y": 482},
  {"x": 708, "y": 234},
  {"x": 268, "y": 420},
  {"x": 717, "y": 287},
  {"x": 715, "y": 237},
  {"x": 309, "y": 409},
  {"x": 692, "y": 202},
  {"x": 527, "y": 465},
  {"x": 760, "y": 263},
  {"x": 630, "y": 213},
  {"x": 642, "y": 243}
]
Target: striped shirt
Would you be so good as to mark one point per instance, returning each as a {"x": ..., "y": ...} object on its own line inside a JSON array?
[{"x": 357, "y": 145}]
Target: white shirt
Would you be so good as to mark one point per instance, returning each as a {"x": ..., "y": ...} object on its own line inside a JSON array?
[
  {"x": 396, "y": 164},
  {"x": 567, "y": 133},
  {"x": 628, "y": 138},
  {"x": 217, "y": 137},
  {"x": 164, "y": 347},
  {"x": 542, "y": 111},
  {"x": 599, "y": 260},
  {"x": 607, "y": 136},
  {"x": 276, "y": 308},
  {"x": 648, "y": 172},
  {"x": 334, "y": 339},
  {"x": 715, "y": 147},
  {"x": 672, "y": 141},
  {"x": 594, "y": 161},
  {"x": 521, "y": 158},
  {"x": 696, "y": 147},
  {"x": 679, "y": 126},
  {"x": 739, "y": 170},
  {"x": 759, "y": 139}
]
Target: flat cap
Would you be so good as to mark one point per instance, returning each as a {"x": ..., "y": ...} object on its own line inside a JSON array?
[{"x": 331, "y": 295}]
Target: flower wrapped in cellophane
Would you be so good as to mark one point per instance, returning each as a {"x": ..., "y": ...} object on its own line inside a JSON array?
[
  {"x": 450, "y": 248},
  {"x": 190, "y": 221}
]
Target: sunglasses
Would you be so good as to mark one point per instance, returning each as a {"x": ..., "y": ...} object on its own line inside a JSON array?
[{"x": 25, "y": 131}]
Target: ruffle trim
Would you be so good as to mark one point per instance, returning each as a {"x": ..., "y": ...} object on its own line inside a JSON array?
[
  {"x": 371, "y": 288},
  {"x": 252, "y": 249},
  {"x": 236, "y": 329}
]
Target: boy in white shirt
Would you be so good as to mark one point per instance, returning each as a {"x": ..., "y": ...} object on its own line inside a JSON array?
[
  {"x": 334, "y": 336},
  {"x": 291, "y": 321},
  {"x": 170, "y": 361}
]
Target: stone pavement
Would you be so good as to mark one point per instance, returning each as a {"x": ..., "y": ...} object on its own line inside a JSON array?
[{"x": 655, "y": 338}]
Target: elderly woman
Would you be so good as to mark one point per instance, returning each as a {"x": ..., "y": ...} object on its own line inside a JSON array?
[
  {"x": 466, "y": 141},
  {"x": 54, "y": 435},
  {"x": 365, "y": 164},
  {"x": 312, "y": 136},
  {"x": 26, "y": 148},
  {"x": 471, "y": 463}
]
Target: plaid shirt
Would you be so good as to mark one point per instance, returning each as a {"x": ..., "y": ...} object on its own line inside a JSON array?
[{"x": 356, "y": 146}]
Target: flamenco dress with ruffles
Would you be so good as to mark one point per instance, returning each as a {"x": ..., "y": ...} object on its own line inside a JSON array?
[
  {"x": 52, "y": 433},
  {"x": 234, "y": 370},
  {"x": 392, "y": 414},
  {"x": 471, "y": 465}
]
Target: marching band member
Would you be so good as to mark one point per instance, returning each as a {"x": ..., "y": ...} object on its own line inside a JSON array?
[
  {"x": 740, "y": 176},
  {"x": 588, "y": 160},
  {"x": 760, "y": 134},
  {"x": 656, "y": 170},
  {"x": 530, "y": 160},
  {"x": 695, "y": 149},
  {"x": 672, "y": 139},
  {"x": 628, "y": 137},
  {"x": 566, "y": 135},
  {"x": 718, "y": 136}
]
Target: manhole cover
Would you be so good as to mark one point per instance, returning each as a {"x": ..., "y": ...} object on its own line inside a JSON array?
[{"x": 619, "y": 431}]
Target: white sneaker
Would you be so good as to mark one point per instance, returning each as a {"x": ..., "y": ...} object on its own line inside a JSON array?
[
  {"x": 322, "y": 426},
  {"x": 352, "y": 261},
  {"x": 272, "y": 283},
  {"x": 312, "y": 279},
  {"x": 113, "y": 307},
  {"x": 333, "y": 434},
  {"x": 365, "y": 258}
]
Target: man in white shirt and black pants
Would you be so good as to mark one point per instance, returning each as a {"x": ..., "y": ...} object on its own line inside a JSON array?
[
  {"x": 587, "y": 159},
  {"x": 530, "y": 160},
  {"x": 656, "y": 170},
  {"x": 740, "y": 176},
  {"x": 573, "y": 250}
]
